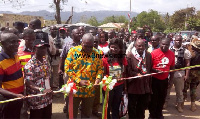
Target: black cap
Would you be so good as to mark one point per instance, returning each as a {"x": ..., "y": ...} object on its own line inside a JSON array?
[{"x": 40, "y": 43}]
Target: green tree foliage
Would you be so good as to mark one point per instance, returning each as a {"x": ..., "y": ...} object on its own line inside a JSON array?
[
  {"x": 115, "y": 19},
  {"x": 93, "y": 21},
  {"x": 179, "y": 18},
  {"x": 151, "y": 18},
  {"x": 197, "y": 21}
]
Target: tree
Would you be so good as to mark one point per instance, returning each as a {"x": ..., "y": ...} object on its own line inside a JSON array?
[
  {"x": 57, "y": 4},
  {"x": 179, "y": 18},
  {"x": 152, "y": 19},
  {"x": 115, "y": 19},
  {"x": 93, "y": 21},
  {"x": 15, "y": 3},
  {"x": 83, "y": 19}
]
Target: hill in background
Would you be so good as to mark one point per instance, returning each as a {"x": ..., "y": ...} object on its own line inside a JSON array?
[{"x": 77, "y": 16}]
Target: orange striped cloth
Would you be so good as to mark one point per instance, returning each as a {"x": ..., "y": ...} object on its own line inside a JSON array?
[{"x": 11, "y": 73}]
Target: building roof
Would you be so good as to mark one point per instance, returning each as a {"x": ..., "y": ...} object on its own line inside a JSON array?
[{"x": 112, "y": 25}]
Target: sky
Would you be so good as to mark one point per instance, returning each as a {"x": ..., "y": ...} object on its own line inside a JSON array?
[{"x": 162, "y": 6}]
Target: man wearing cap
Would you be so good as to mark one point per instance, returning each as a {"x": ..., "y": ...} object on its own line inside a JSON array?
[
  {"x": 37, "y": 74},
  {"x": 65, "y": 35},
  {"x": 58, "y": 44},
  {"x": 11, "y": 77},
  {"x": 193, "y": 80}
]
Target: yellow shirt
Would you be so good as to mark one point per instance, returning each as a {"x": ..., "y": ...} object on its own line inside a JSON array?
[{"x": 81, "y": 66}]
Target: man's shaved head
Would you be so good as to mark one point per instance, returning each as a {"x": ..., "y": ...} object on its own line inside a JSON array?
[
  {"x": 140, "y": 46},
  {"x": 139, "y": 41},
  {"x": 87, "y": 42},
  {"x": 74, "y": 31},
  {"x": 88, "y": 37}
]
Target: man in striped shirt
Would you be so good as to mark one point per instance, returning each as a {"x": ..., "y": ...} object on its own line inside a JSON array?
[
  {"x": 25, "y": 51},
  {"x": 11, "y": 78}
]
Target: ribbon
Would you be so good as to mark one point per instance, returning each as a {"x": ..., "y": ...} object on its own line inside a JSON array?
[
  {"x": 151, "y": 74},
  {"x": 107, "y": 84},
  {"x": 101, "y": 85},
  {"x": 71, "y": 105},
  {"x": 105, "y": 105},
  {"x": 29, "y": 96},
  {"x": 68, "y": 88}
]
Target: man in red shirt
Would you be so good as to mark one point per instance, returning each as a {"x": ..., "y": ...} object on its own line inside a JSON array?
[{"x": 163, "y": 60}]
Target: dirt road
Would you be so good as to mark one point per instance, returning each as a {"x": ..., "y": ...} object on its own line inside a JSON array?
[{"x": 169, "y": 113}]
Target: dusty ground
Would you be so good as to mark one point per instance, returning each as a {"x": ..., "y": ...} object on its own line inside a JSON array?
[{"x": 169, "y": 113}]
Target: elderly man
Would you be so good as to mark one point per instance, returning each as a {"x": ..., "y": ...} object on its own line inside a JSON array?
[
  {"x": 83, "y": 70},
  {"x": 11, "y": 77},
  {"x": 139, "y": 89}
]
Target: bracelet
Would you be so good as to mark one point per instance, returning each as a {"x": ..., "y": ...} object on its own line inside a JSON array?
[{"x": 41, "y": 90}]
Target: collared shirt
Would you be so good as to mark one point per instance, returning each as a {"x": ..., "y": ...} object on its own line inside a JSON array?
[
  {"x": 151, "y": 48},
  {"x": 56, "y": 58},
  {"x": 104, "y": 47},
  {"x": 11, "y": 73},
  {"x": 83, "y": 68},
  {"x": 67, "y": 39},
  {"x": 67, "y": 47},
  {"x": 0, "y": 48},
  {"x": 24, "y": 54},
  {"x": 52, "y": 48},
  {"x": 187, "y": 54},
  {"x": 39, "y": 73}
]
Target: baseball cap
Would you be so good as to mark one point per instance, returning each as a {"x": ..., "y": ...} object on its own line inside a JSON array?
[
  {"x": 40, "y": 43},
  {"x": 62, "y": 28}
]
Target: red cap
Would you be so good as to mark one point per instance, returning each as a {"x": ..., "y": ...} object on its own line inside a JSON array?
[
  {"x": 133, "y": 32},
  {"x": 62, "y": 28}
]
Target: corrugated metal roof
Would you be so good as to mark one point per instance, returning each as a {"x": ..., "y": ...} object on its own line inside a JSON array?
[{"x": 112, "y": 25}]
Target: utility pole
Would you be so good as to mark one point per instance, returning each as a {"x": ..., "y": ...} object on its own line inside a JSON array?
[
  {"x": 129, "y": 17},
  {"x": 72, "y": 13},
  {"x": 186, "y": 19}
]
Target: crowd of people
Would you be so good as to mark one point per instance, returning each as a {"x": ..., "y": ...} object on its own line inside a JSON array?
[{"x": 35, "y": 62}]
